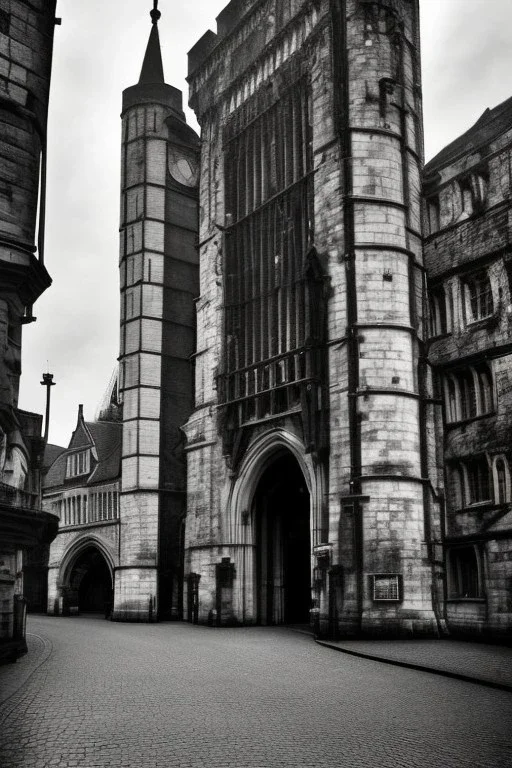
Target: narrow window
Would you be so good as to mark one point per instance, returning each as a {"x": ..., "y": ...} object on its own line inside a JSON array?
[
  {"x": 485, "y": 389},
  {"x": 451, "y": 410},
  {"x": 479, "y": 302},
  {"x": 433, "y": 214},
  {"x": 450, "y": 322},
  {"x": 466, "y": 199},
  {"x": 438, "y": 324},
  {"x": 465, "y": 576},
  {"x": 468, "y": 396},
  {"x": 479, "y": 486},
  {"x": 502, "y": 481}
]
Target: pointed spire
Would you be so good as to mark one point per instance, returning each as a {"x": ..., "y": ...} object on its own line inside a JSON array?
[{"x": 152, "y": 68}]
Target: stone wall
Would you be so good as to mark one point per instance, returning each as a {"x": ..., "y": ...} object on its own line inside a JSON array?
[
  {"x": 380, "y": 428},
  {"x": 470, "y": 348}
]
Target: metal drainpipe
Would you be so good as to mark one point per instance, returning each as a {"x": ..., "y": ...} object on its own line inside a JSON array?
[
  {"x": 42, "y": 205},
  {"x": 342, "y": 113}
]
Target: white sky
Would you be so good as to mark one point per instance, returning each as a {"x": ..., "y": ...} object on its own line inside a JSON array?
[{"x": 98, "y": 51}]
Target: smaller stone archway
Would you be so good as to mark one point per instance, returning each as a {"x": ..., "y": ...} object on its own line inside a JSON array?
[{"x": 87, "y": 580}]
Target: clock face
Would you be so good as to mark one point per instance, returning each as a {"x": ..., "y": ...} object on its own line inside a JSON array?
[{"x": 183, "y": 167}]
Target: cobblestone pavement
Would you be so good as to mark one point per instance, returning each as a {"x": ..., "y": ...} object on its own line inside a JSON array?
[
  {"x": 104, "y": 694},
  {"x": 489, "y": 664}
]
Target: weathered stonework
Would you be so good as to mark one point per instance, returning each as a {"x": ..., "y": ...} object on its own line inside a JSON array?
[
  {"x": 26, "y": 44},
  {"x": 468, "y": 257},
  {"x": 81, "y": 488},
  {"x": 361, "y": 429},
  {"x": 158, "y": 273}
]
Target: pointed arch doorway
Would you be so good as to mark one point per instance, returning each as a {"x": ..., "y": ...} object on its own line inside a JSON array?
[
  {"x": 89, "y": 586},
  {"x": 282, "y": 516}
]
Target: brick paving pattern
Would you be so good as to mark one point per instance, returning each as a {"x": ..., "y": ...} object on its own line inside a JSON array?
[{"x": 158, "y": 696}]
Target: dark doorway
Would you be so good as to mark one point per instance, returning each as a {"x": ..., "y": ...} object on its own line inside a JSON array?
[
  {"x": 91, "y": 583},
  {"x": 282, "y": 508}
]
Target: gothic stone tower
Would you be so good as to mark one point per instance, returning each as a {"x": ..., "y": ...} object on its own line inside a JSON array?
[
  {"x": 311, "y": 464},
  {"x": 158, "y": 273}
]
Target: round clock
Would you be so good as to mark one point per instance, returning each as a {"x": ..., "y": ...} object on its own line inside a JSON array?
[{"x": 183, "y": 167}]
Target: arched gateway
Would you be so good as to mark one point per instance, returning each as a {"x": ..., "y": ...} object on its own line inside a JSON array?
[
  {"x": 270, "y": 523},
  {"x": 86, "y": 581}
]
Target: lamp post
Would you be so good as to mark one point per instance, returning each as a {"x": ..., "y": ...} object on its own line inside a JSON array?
[{"x": 47, "y": 382}]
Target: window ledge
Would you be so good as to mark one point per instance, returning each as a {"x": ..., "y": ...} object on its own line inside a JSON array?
[
  {"x": 465, "y": 422},
  {"x": 477, "y": 506},
  {"x": 491, "y": 321},
  {"x": 466, "y": 600}
]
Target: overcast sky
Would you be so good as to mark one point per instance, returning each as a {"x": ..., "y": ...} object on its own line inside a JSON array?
[{"x": 98, "y": 51}]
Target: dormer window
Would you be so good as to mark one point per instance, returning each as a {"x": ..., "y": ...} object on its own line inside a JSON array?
[{"x": 78, "y": 464}]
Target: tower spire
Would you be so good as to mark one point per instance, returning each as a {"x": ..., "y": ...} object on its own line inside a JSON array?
[
  {"x": 155, "y": 13},
  {"x": 152, "y": 68}
]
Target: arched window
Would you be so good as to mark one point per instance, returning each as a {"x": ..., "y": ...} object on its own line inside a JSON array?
[
  {"x": 501, "y": 480},
  {"x": 469, "y": 393},
  {"x": 451, "y": 410},
  {"x": 468, "y": 396},
  {"x": 484, "y": 389}
]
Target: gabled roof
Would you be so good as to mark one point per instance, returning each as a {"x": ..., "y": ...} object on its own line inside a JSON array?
[
  {"x": 107, "y": 437},
  {"x": 104, "y": 438},
  {"x": 491, "y": 124},
  {"x": 51, "y": 452}
]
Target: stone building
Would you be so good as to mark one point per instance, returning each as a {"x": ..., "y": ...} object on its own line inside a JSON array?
[
  {"x": 119, "y": 489},
  {"x": 302, "y": 345},
  {"x": 312, "y": 468},
  {"x": 81, "y": 488},
  {"x": 26, "y": 43},
  {"x": 468, "y": 255},
  {"x": 159, "y": 283}
]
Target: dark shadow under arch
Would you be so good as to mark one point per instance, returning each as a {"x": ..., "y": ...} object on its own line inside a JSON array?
[
  {"x": 89, "y": 588},
  {"x": 282, "y": 519}
]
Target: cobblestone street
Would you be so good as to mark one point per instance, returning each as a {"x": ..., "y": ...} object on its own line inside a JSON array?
[{"x": 95, "y": 693}]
